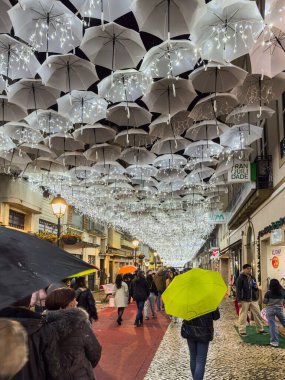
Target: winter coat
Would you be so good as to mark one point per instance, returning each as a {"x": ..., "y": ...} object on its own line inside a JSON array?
[
  {"x": 160, "y": 281},
  {"x": 86, "y": 301},
  {"x": 121, "y": 295},
  {"x": 273, "y": 300},
  {"x": 152, "y": 287},
  {"x": 39, "y": 340},
  {"x": 139, "y": 289},
  {"x": 76, "y": 350},
  {"x": 201, "y": 329},
  {"x": 246, "y": 288}
]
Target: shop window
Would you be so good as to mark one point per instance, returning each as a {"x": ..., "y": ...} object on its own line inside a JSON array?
[
  {"x": 91, "y": 260},
  {"x": 44, "y": 225},
  {"x": 16, "y": 219},
  {"x": 77, "y": 220}
]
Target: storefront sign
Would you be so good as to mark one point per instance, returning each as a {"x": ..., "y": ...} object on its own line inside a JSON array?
[
  {"x": 275, "y": 262},
  {"x": 218, "y": 217},
  {"x": 215, "y": 254},
  {"x": 239, "y": 172},
  {"x": 277, "y": 236},
  {"x": 276, "y": 252}
]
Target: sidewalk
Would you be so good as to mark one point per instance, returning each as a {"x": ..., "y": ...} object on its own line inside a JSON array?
[{"x": 127, "y": 350}]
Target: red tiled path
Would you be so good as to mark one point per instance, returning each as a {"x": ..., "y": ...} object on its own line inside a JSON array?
[{"x": 127, "y": 350}]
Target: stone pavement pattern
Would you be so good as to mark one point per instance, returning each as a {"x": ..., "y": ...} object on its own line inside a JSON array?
[{"x": 228, "y": 359}]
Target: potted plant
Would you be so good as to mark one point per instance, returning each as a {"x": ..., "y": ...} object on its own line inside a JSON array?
[
  {"x": 151, "y": 263},
  {"x": 45, "y": 235},
  {"x": 70, "y": 237},
  {"x": 141, "y": 256}
]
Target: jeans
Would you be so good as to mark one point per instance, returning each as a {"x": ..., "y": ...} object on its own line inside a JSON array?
[
  {"x": 198, "y": 358},
  {"x": 140, "y": 305},
  {"x": 159, "y": 301},
  {"x": 149, "y": 304},
  {"x": 271, "y": 313}
]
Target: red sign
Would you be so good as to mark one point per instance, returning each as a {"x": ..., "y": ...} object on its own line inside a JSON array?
[{"x": 275, "y": 262}]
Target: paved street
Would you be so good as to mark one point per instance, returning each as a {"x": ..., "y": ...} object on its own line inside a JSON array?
[{"x": 229, "y": 358}]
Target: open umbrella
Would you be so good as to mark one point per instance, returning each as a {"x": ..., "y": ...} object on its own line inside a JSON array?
[
  {"x": 275, "y": 13},
  {"x": 49, "y": 121},
  {"x": 203, "y": 149},
  {"x": 170, "y": 161},
  {"x": 109, "y": 167},
  {"x": 194, "y": 293},
  {"x": 37, "y": 150},
  {"x": 63, "y": 142},
  {"x": 163, "y": 128},
  {"x": 22, "y": 132},
  {"x": 10, "y": 111},
  {"x": 133, "y": 137},
  {"x": 139, "y": 171},
  {"x": 137, "y": 156},
  {"x": 250, "y": 113},
  {"x": 6, "y": 143},
  {"x": 94, "y": 134},
  {"x": 113, "y": 46},
  {"x": 206, "y": 130},
  {"x": 5, "y": 22},
  {"x": 241, "y": 135},
  {"x": 169, "y": 145},
  {"x": 128, "y": 115},
  {"x": 103, "y": 152},
  {"x": 25, "y": 270},
  {"x": 127, "y": 269}
]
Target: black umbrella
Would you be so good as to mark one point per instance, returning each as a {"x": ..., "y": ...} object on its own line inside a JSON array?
[{"x": 28, "y": 264}]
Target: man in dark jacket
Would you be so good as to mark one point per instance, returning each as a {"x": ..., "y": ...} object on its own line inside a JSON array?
[
  {"x": 39, "y": 339},
  {"x": 160, "y": 283},
  {"x": 139, "y": 291},
  {"x": 247, "y": 296}
]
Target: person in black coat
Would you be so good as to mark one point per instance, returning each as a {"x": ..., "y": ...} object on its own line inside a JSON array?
[
  {"x": 199, "y": 332},
  {"x": 139, "y": 291},
  {"x": 39, "y": 340},
  {"x": 75, "y": 350},
  {"x": 149, "y": 304},
  {"x": 85, "y": 298}
]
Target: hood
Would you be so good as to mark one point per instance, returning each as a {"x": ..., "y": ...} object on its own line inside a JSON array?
[
  {"x": 29, "y": 319},
  {"x": 66, "y": 320}
]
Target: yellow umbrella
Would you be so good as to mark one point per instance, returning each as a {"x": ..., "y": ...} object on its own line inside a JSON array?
[
  {"x": 194, "y": 293},
  {"x": 84, "y": 273}
]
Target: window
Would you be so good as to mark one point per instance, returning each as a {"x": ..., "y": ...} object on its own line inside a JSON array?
[
  {"x": 91, "y": 259},
  {"x": 16, "y": 219},
  {"x": 44, "y": 225},
  {"x": 77, "y": 220}
]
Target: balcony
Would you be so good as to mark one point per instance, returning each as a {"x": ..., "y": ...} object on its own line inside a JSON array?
[{"x": 252, "y": 194}]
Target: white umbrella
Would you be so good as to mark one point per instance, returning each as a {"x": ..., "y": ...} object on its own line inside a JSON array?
[
  {"x": 108, "y": 10},
  {"x": 214, "y": 77},
  {"x": 225, "y": 166},
  {"x": 123, "y": 86},
  {"x": 113, "y": 46},
  {"x": 200, "y": 162},
  {"x": 94, "y": 134},
  {"x": 213, "y": 106},
  {"x": 203, "y": 149},
  {"x": 170, "y": 174},
  {"x": 161, "y": 127},
  {"x": 169, "y": 145},
  {"x": 137, "y": 156},
  {"x": 103, "y": 153},
  {"x": 49, "y": 121},
  {"x": 199, "y": 174},
  {"x": 249, "y": 114},
  {"x": 145, "y": 171},
  {"x": 128, "y": 114},
  {"x": 15, "y": 158},
  {"x": 10, "y": 111},
  {"x": 2, "y": 84},
  {"x": 258, "y": 89},
  {"x": 275, "y": 13},
  {"x": 169, "y": 96},
  {"x": 82, "y": 172},
  {"x": 21, "y": 132},
  {"x": 165, "y": 18},
  {"x": 267, "y": 55},
  {"x": 63, "y": 142},
  {"x": 73, "y": 159},
  {"x": 47, "y": 164},
  {"x": 82, "y": 106},
  {"x": 170, "y": 187},
  {"x": 238, "y": 136},
  {"x": 67, "y": 72},
  {"x": 170, "y": 161},
  {"x": 133, "y": 137},
  {"x": 5, "y": 22},
  {"x": 169, "y": 59},
  {"x": 32, "y": 94},
  {"x": 109, "y": 167},
  {"x": 47, "y": 25},
  {"x": 37, "y": 150},
  {"x": 206, "y": 130},
  {"x": 6, "y": 143},
  {"x": 225, "y": 29},
  {"x": 16, "y": 59}
]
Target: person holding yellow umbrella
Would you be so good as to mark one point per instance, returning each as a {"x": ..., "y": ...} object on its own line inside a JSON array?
[{"x": 195, "y": 297}]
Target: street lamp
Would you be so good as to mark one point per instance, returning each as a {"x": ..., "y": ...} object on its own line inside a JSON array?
[
  {"x": 59, "y": 206},
  {"x": 136, "y": 244},
  {"x": 155, "y": 256}
]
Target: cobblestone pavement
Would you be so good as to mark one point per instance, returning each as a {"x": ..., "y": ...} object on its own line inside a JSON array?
[{"x": 228, "y": 359}]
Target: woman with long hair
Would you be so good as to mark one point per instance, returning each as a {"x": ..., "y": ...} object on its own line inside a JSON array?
[
  {"x": 75, "y": 350},
  {"x": 275, "y": 301},
  {"x": 121, "y": 294},
  {"x": 85, "y": 299}
]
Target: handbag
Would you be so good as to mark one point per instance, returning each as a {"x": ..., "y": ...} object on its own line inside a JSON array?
[{"x": 185, "y": 330}]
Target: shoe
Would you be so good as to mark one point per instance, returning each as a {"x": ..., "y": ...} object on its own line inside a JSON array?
[
  {"x": 147, "y": 318},
  {"x": 262, "y": 332},
  {"x": 243, "y": 334},
  {"x": 274, "y": 344}
]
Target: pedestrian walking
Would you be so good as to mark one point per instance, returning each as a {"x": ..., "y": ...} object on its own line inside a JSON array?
[
  {"x": 121, "y": 294},
  {"x": 171, "y": 274},
  {"x": 275, "y": 301},
  {"x": 85, "y": 298},
  {"x": 247, "y": 296},
  {"x": 139, "y": 292},
  {"x": 149, "y": 303},
  {"x": 160, "y": 282},
  {"x": 75, "y": 350},
  {"x": 199, "y": 332}
]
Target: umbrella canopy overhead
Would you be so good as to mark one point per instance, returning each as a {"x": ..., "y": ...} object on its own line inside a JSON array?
[
  {"x": 108, "y": 10},
  {"x": 23, "y": 271},
  {"x": 129, "y": 115},
  {"x": 49, "y": 122},
  {"x": 94, "y": 134},
  {"x": 194, "y": 293}
]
